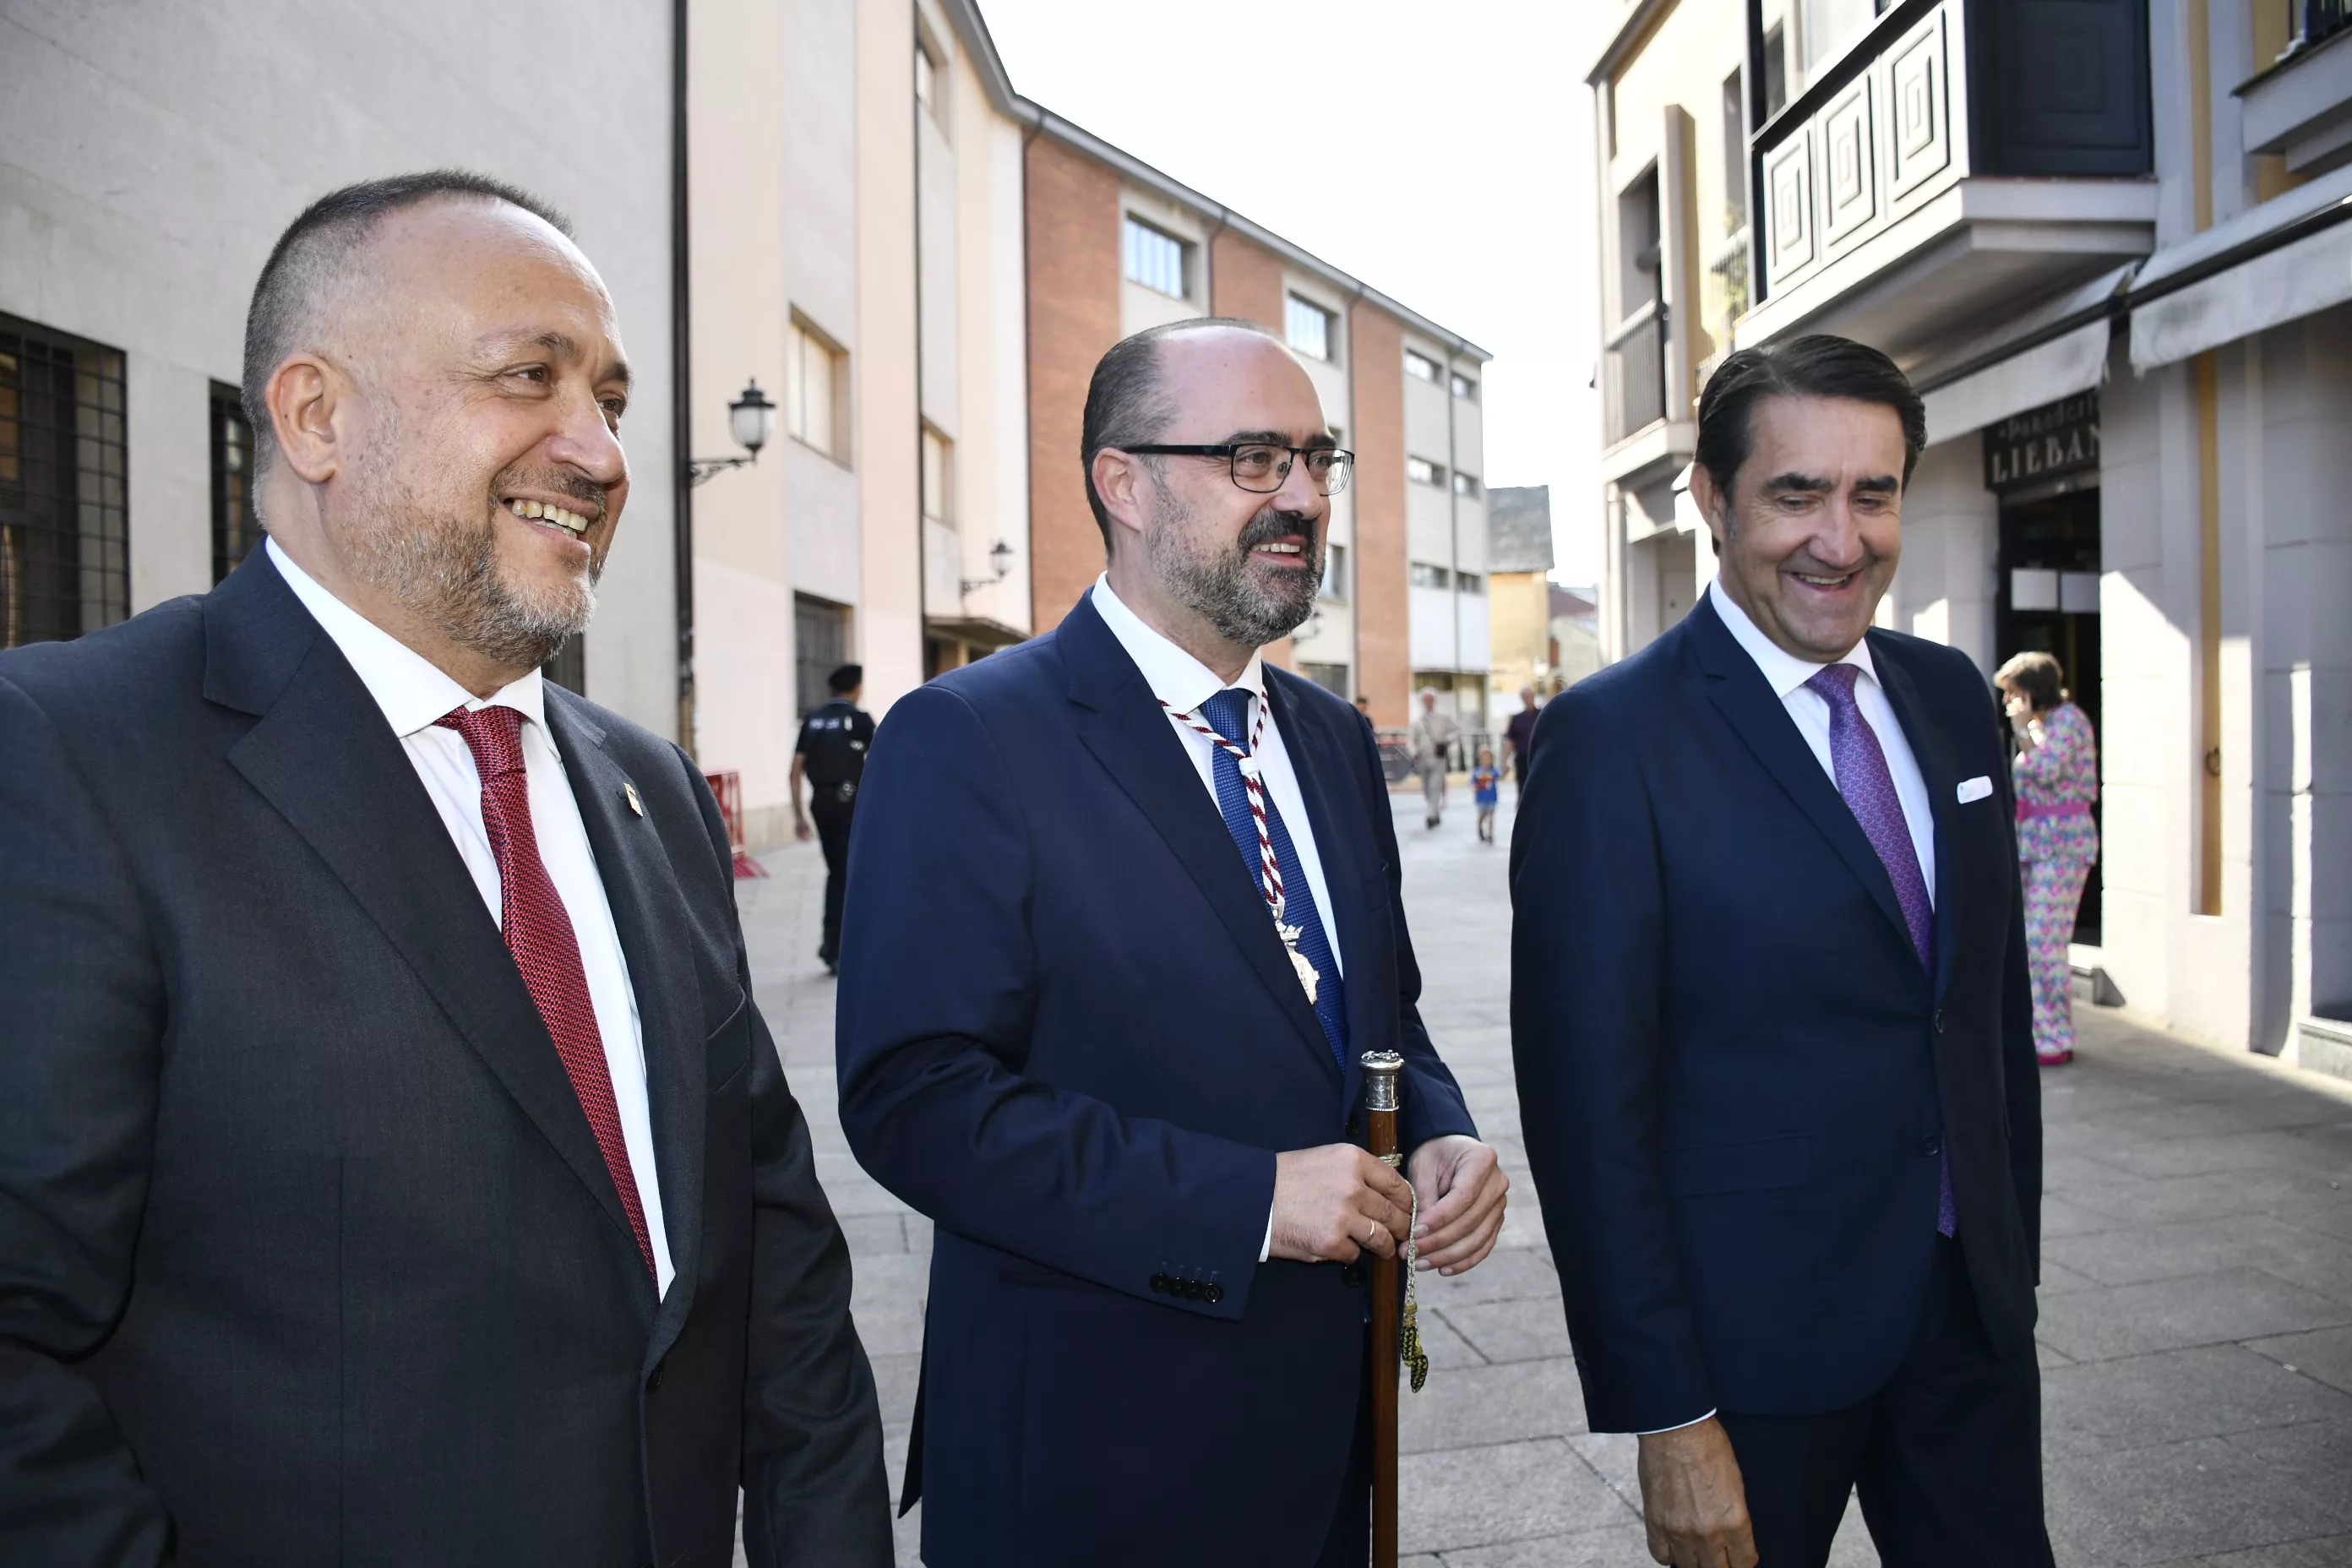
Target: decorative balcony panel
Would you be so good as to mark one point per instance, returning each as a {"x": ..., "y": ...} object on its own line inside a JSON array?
[
  {"x": 1633, "y": 377},
  {"x": 1961, "y": 156}
]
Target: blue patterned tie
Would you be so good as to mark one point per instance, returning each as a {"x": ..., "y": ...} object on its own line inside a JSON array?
[
  {"x": 1868, "y": 786},
  {"x": 1228, "y": 713}
]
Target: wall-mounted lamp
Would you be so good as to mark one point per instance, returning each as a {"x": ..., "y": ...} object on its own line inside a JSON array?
[
  {"x": 750, "y": 419},
  {"x": 1000, "y": 556}
]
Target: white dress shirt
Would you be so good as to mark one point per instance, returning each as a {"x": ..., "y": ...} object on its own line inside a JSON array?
[
  {"x": 414, "y": 692},
  {"x": 1183, "y": 682},
  {"x": 1787, "y": 675}
]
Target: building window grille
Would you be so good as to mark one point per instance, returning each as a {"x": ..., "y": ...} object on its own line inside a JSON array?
[
  {"x": 64, "y": 510},
  {"x": 1158, "y": 260},
  {"x": 1308, "y": 327},
  {"x": 820, "y": 647},
  {"x": 237, "y": 527},
  {"x": 1421, "y": 367},
  {"x": 2317, "y": 20}
]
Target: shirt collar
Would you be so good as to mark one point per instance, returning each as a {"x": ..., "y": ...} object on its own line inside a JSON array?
[
  {"x": 412, "y": 692},
  {"x": 1175, "y": 676},
  {"x": 1783, "y": 671}
]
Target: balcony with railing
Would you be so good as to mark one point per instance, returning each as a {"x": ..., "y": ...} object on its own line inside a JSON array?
[
  {"x": 1634, "y": 375},
  {"x": 1955, "y": 158},
  {"x": 2301, "y": 106}
]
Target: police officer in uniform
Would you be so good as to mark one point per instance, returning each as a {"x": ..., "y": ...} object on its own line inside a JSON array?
[{"x": 832, "y": 753}]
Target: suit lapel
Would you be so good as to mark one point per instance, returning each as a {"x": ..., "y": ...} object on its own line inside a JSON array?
[
  {"x": 1742, "y": 696},
  {"x": 650, "y": 915},
  {"x": 1123, "y": 725},
  {"x": 321, "y": 754},
  {"x": 1932, "y": 750},
  {"x": 1343, "y": 850}
]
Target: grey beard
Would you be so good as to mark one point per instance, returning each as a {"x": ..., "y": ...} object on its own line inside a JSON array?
[
  {"x": 446, "y": 572},
  {"x": 1217, "y": 585}
]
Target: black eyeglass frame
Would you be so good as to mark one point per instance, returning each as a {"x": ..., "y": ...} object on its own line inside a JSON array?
[{"x": 1343, "y": 461}]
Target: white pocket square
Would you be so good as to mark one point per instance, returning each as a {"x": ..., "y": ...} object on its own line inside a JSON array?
[{"x": 1976, "y": 788}]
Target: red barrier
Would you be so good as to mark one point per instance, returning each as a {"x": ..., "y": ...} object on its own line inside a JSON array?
[{"x": 729, "y": 787}]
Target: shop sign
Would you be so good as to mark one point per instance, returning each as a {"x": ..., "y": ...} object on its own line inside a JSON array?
[{"x": 2044, "y": 443}]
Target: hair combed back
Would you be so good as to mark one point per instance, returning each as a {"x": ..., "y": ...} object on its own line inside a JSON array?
[
  {"x": 321, "y": 244},
  {"x": 1815, "y": 366},
  {"x": 1128, "y": 403},
  {"x": 2039, "y": 677}
]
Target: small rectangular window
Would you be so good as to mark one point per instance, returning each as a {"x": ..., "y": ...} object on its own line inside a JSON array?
[
  {"x": 815, "y": 391},
  {"x": 938, "y": 475},
  {"x": 1465, "y": 388},
  {"x": 1470, "y": 582},
  {"x": 1425, "y": 575},
  {"x": 821, "y": 642},
  {"x": 236, "y": 530},
  {"x": 1776, "y": 70},
  {"x": 1735, "y": 154},
  {"x": 1465, "y": 484},
  {"x": 1421, "y": 367},
  {"x": 1421, "y": 472},
  {"x": 1335, "y": 573},
  {"x": 1158, "y": 260},
  {"x": 927, "y": 81},
  {"x": 1308, "y": 327}
]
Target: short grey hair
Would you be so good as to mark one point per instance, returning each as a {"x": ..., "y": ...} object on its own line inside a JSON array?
[
  {"x": 318, "y": 250},
  {"x": 1128, "y": 403}
]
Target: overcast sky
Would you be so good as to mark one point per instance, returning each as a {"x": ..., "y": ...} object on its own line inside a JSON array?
[{"x": 1440, "y": 152}]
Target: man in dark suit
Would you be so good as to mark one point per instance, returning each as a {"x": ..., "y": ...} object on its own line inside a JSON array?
[
  {"x": 1123, "y": 914},
  {"x": 393, "y": 1167},
  {"x": 1769, "y": 1013}
]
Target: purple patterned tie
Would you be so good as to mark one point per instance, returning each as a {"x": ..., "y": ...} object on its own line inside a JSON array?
[{"x": 1868, "y": 786}]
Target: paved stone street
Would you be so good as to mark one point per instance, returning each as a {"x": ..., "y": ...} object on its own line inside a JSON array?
[{"x": 2197, "y": 1280}]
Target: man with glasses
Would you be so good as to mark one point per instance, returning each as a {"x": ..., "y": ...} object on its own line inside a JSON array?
[{"x": 1148, "y": 881}]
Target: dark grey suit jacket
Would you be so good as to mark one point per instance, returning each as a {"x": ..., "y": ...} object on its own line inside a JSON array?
[{"x": 306, "y": 1252}]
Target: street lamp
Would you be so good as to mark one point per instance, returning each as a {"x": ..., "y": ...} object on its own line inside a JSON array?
[
  {"x": 1000, "y": 556},
  {"x": 750, "y": 419}
]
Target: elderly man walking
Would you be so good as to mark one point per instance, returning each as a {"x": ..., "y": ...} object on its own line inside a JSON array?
[
  {"x": 393, "y": 1166},
  {"x": 1432, "y": 737},
  {"x": 1770, "y": 1017},
  {"x": 1146, "y": 885}
]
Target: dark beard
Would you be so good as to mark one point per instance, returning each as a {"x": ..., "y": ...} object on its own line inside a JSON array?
[{"x": 1217, "y": 583}]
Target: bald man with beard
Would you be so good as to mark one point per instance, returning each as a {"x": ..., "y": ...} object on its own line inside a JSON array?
[{"x": 393, "y": 1165}]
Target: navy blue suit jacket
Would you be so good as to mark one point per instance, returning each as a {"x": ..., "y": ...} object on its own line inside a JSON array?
[
  {"x": 1068, "y": 1033},
  {"x": 1736, "y": 1079},
  {"x": 308, "y": 1252}
]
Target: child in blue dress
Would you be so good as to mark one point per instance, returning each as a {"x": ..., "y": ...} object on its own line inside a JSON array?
[{"x": 1485, "y": 789}]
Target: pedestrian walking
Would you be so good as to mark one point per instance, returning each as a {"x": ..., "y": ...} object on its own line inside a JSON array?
[
  {"x": 1432, "y": 737},
  {"x": 2057, "y": 776},
  {"x": 1124, "y": 914},
  {"x": 396, "y": 1168},
  {"x": 1519, "y": 737},
  {"x": 831, "y": 753},
  {"x": 1771, "y": 1021},
  {"x": 1487, "y": 791}
]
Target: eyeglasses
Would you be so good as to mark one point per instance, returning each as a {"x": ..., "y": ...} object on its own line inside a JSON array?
[{"x": 1262, "y": 467}]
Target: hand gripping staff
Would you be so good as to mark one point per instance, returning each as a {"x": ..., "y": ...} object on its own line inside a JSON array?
[{"x": 1391, "y": 1277}]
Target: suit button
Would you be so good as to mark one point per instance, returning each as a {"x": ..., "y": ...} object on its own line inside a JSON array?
[
  {"x": 1160, "y": 1284},
  {"x": 1351, "y": 1275},
  {"x": 1213, "y": 1294},
  {"x": 1940, "y": 1020},
  {"x": 1931, "y": 1146},
  {"x": 1194, "y": 1290}
]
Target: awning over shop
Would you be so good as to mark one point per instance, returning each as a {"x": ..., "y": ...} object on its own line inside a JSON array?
[
  {"x": 1982, "y": 384},
  {"x": 2262, "y": 274}
]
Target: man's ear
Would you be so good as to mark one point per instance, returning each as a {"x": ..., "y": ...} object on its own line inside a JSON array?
[
  {"x": 304, "y": 396},
  {"x": 1713, "y": 504},
  {"x": 1118, "y": 480}
]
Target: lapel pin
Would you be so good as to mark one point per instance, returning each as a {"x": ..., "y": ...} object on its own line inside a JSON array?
[{"x": 629, "y": 793}]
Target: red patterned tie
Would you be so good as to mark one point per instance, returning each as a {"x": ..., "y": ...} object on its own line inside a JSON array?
[{"x": 539, "y": 934}]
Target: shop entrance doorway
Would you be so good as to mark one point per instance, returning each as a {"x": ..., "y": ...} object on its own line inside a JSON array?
[{"x": 2048, "y": 602}]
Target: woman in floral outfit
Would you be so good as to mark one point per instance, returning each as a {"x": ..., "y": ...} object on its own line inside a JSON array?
[{"x": 2057, "y": 772}]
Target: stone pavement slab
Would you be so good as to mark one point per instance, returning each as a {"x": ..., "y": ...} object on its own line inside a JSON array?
[{"x": 2196, "y": 1289}]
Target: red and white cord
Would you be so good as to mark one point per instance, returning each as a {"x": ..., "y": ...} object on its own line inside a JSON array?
[{"x": 1256, "y": 787}]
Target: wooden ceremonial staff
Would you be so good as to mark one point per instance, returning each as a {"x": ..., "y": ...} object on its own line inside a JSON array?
[{"x": 1380, "y": 1070}]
